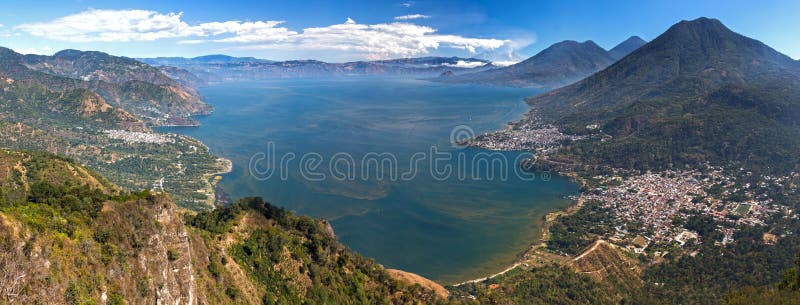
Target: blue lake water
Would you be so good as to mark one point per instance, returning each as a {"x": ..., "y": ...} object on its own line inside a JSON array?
[{"x": 448, "y": 228}]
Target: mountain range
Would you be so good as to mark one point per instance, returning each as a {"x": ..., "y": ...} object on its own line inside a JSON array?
[
  {"x": 697, "y": 93},
  {"x": 560, "y": 64},
  {"x": 218, "y": 68},
  {"x": 205, "y": 59},
  {"x": 125, "y": 83}
]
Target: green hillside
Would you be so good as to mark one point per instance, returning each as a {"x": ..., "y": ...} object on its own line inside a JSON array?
[
  {"x": 67, "y": 103},
  {"x": 697, "y": 93},
  {"x": 123, "y": 82}
]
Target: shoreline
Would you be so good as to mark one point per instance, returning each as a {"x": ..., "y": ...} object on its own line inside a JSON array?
[
  {"x": 489, "y": 277},
  {"x": 548, "y": 219},
  {"x": 212, "y": 179},
  {"x": 226, "y": 169}
]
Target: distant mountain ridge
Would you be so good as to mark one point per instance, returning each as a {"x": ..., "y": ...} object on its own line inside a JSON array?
[
  {"x": 560, "y": 64},
  {"x": 217, "y": 68},
  {"x": 122, "y": 82},
  {"x": 93, "y": 65},
  {"x": 182, "y": 76},
  {"x": 213, "y": 58},
  {"x": 699, "y": 92}
]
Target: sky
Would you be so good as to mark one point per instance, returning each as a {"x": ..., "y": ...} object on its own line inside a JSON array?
[{"x": 339, "y": 31}]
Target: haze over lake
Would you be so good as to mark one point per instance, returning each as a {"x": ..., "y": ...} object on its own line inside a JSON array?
[{"x": 445, "y": 229}]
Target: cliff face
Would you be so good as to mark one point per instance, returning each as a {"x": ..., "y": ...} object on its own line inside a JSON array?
[
  {"x": 136, "y": 251},
  {"x": 69, "y": 236}
]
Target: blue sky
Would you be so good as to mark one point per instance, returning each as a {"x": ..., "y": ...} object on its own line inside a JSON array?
[{"x": 283, "y": 30}]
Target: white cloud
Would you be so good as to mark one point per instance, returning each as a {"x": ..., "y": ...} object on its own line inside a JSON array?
[
  {"x": 412, "y": 16},
  {"x": 382, "y": 40},
  {"x": 192, "y": 41},
  {"x": 109, "y": 25},
  {"x": 251, "y": 31},
  {"x": 504, "y": 63},
  {"x": 141, "y": 25},
  {"x": 372, "y": 40},
  {"x": 39, "y": 51},
  {"x": 408, "y": 3},
  {"x": 465, "y": 64}
]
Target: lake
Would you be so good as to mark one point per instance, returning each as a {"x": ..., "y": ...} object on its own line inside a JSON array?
[{"x": 448, "y": 225}]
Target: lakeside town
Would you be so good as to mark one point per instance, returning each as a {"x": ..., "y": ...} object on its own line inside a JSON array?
[
  {"x": 653, "y": 207},
  {"x": 527, "y": 134},
  {"x": 648, "y": 212},
  {"x": 140, "y": 137}
]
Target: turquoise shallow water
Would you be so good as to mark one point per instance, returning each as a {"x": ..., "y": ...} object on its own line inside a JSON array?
[{"x": 450, "y": 229}]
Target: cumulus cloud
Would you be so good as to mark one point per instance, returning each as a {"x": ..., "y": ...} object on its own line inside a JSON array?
[
  {"x": 412, "y": 16},
  {"x": 141, "y": 25},
  {"x": 250, "y": 31},
  {"x": 379, "y": 40},
  {"x": 109, "y": 25},
  {"x": 373, "y": 40},
  {"x": 46, "y": 50}
]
